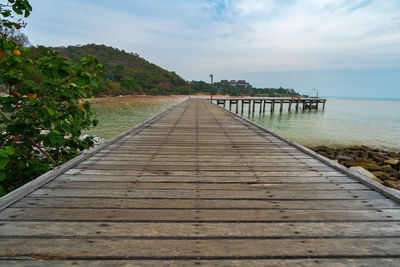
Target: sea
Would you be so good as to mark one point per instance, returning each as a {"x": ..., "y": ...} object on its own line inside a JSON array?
[{"x": 344, "y": 122}]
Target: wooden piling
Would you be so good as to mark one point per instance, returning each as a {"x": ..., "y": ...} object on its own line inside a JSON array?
[{"x": 264, "y": 103}]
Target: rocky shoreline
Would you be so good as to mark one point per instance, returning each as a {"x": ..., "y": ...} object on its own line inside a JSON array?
[{"x": 379, "y": 165}]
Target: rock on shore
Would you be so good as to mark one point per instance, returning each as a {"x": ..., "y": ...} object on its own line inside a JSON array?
[{"x": 384, "y": 165}]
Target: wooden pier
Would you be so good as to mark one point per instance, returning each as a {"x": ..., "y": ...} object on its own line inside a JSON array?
[
  {"x": 251, "y": 104},
  {"x": 198, "y": 185}
]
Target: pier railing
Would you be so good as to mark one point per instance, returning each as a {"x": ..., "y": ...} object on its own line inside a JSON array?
[{"x": 293, "y": 103}]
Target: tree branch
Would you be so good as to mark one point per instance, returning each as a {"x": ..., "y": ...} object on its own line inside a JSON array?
[{"x": 32, "y": 142}]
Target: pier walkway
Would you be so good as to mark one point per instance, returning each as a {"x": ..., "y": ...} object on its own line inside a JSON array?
[{"x": 200, "y": 186}]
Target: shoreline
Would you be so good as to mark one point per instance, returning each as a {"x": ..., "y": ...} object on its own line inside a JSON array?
[{"x": 382, "y": 166}]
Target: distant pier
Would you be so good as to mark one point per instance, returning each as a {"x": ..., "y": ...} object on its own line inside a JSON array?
[{"x": 250, "y": 103}]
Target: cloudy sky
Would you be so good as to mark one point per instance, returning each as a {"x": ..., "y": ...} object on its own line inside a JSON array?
[{"x": 340, "y": 47}]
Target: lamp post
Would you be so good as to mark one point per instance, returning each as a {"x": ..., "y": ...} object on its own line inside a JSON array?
[
  {"x": 190, "y": 88},
  {"x": 212, "y": 77},
  {"x": 315, "y": 90}
]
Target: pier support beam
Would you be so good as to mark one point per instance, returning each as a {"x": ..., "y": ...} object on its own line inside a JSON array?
[{"x": 264, "y": 102}]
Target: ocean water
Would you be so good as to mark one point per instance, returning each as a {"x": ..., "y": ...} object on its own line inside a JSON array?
[
  {"x": 118, "y": 114},
  {"x": 344, "y": 122}
]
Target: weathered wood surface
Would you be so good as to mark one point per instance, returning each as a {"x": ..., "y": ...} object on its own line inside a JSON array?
[{"x": 199, "y": 187}]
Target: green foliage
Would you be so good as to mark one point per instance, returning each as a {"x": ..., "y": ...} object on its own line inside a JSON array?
[
  {"x": 124, "y": 73},
  {"x": 43, "y": 114},
  {"x": 238, "y": 90}
]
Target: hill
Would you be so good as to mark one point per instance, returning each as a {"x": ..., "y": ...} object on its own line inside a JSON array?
[
  {"x": 128, "y": 73},
  {"x": 124, "y": 73}
]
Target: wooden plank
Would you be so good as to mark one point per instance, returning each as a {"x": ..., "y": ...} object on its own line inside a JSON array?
[
  {"x": 201, "y": 186},
  {"x": 181, "y": 164},
  {"x": 204, "y": 179},
  {"x": 203, "y": 160},
  {"x": 377, "y": 261},
  {"x": 77, "y": 214},
  {"x": 177, "y": 168},
  {"x": 195, "y": 249},
  {"x": 208, "y": 173},
  {"x": 121, "y": 203},
  {"x": 218, "y": 194},
  {"x": 180, "y": 158},
  {"x": 199, "y": 230}
]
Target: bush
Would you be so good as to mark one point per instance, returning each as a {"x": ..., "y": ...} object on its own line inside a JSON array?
[{"x": 41, "y": 119}]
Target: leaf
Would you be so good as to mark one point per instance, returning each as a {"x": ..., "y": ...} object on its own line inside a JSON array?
[
  {"x": 56, "y": 139},
  {"x": 51, "y": 112},
  {"x": 27, "y": 5},
  {"x": 3, "y": 153},
  {"x": 17, "y": 10},
  {"x": 3, "y": 163},
  {"x": 32, "y": 101},
  {"x": 3, "y": 176},
  {"x": 10, "y": 150}
]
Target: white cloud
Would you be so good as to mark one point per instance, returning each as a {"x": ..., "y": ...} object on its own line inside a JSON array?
[
  {"x": 195, "y": 38},
  {"x": 248, "y": 7}
]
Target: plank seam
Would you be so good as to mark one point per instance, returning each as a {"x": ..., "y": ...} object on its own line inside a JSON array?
[{"x": 25, "y": 257}]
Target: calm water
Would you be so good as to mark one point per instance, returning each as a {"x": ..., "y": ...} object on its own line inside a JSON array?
[
  {"x": 344, "y": 122},
  {"x": 118, "y": 114}
]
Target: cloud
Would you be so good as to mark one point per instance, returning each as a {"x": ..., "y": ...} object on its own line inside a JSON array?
[
  {"x": 250, "y": 7},
  {"x": 196, "y": 38}
]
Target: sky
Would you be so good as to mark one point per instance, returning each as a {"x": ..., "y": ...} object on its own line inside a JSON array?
[{"x": 339, "y": 47}]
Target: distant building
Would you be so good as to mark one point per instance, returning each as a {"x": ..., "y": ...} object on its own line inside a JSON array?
[{"x": 237, "y": 83}]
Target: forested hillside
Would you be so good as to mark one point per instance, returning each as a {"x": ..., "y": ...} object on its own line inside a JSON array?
[
  {"x": 128, "y": 73},
  {"x": 124, "y": 73}
]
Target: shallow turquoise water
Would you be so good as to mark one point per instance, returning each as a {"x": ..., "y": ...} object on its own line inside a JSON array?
[{"x": 344, "y": 122}]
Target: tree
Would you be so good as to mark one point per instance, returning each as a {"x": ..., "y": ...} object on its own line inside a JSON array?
[
  {"x": 117, "y": 73},
  {"x": 128, "y": 84},
  {"x": 41, "y": 119}
]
